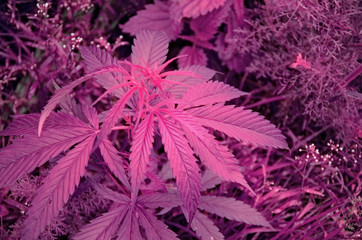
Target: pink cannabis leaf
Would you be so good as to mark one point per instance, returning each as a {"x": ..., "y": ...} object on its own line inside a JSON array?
[
  {"x": 124, "y": 222},
  {"x": 177, "y": 105},
  {"x": 61, "y": 131}
]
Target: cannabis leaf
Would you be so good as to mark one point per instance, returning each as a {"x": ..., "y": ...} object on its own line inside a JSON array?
[
  {"x": 124, "y": 222},
  {"x": 182, "y": 162},
  {"x": 57, "y": 187},
  {"x": 239, "y": 123},
  {"x": 61, "y": 131},
  {"x": 179, "y": 106},
  {"x": 95, "y": 59}
]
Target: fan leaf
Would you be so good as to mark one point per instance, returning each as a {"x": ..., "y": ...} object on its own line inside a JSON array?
[
  {"x": 103, "y": 227},
  {"x": 209, "y": 93},
  {"x": 95, "y": 59},
  {"x": 215, "y": 156},
  {"x": 232, "y": 210},
  {"x": 114, "y": 161},
  {"x": 155, "y": 229},
  {"x": 140, "y": 151},
  {"x": 57, "y": 187},
  {"x": 240, "y": 124},
  {"x": 182, "y": 162}
]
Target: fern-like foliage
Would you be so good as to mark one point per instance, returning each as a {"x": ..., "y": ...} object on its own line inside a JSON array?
[{"x": 180, "y": 106}]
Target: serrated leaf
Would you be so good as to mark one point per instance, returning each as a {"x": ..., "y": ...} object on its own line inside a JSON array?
[
  {"x": 182, "y": 162},
  {"x": 27, "y": 124},
  {"x": 207, "y": 25},
  {"x": 22, "y": 125},
  {"x": 209, "y": 93},
  {"x": 232, "y": 210},
  {"x": 205, "y": 228},
  {"x": 70, "y": 106},
  {"x": 130, "y": 228},
  {"x": 150, "y": 49},
  {"x": 215, "y": 156},
  {"x": 57, "y": 187},
  {"x": 154, "y": 228},
  {"x": 164, "y": 200},
  {"x": 194, "y": 56},
  {"x": 209, "y": 180},
  {"x": 179, "y": 90},
  {"x": 114, "y": 161},
  {"x": 57, "y": 98},
  {"x": 140, "y": 151},
  {"x": 91, "y": 115},
  {"x": 240, "y": 124},
  {"x": 154, "y": 17},
  {"x": 25, "y": 154},
  {"x": 110, "y": 194},
  {"x": 156, "y": 183},
  {"x": 103, "y": 227},
  {"x": 195, "y": 8},
  {"x": 113, "y": 116},
  {"x": 95, "y": 58}
]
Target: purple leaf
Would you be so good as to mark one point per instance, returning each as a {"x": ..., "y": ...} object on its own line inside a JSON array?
[
  {"x": 155, "y": 229},
  {"x": 110, "y": 194},
  {"x": 130, "y": 228},
  {"x": 195, "y": 8},
  {"x": 207, "y": 25},
  {"x": 194, "y": 56},
  {"x": 215, "y": 156},
  {"x": 209, "y": 93},
  {"x": 95, "y": 59},
  {"x": 53, "y": 102},
  {"x": 179, "y": 90},
  {"x": 25, "y": 154},
  {"x": 91, "y": 115},
  {"x": 240, "y": 10},
  {"x": 113, "y": 116},
  {"x": 156, "y": 183},
  {"x": 240, "y": 124},
  {"x": 70, "y": 106},
  {"x": 22, "y": 125},
  {"x": 27, "y": 124},
  {"x": 140, "y": 151},
  {"x": 150, "y": 49},
  {"x": 114, "y": 161},
  {"x": 57, "y": 187},
  {"x": 209, "y": 180},
  {"x": 232, "y": 210},
  {"x": 203, "y": 226},
  {"x": 164, "y": 200},
  {"x": 154, "y": 17},
  {"x": 182, "y": 162},
  {"x": 103, "y": 227}
]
